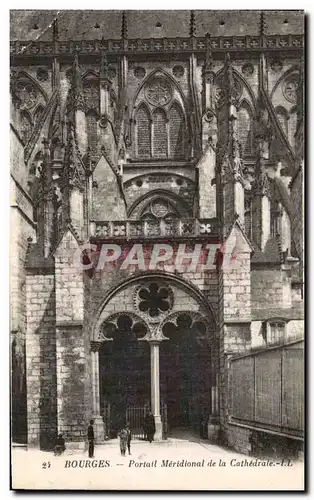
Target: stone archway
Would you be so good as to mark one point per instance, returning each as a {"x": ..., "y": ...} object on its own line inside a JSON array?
[
  {"x": 188, "y": 370},
  {"x": 144, "y": 315},
  {"x": 124, "y": 368}
]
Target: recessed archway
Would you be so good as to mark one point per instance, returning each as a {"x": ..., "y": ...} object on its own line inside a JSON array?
[
  {"x": 187, "y": 371},
  {"x": 156, "y": 353},
  {"x": 124, "y": 369}
]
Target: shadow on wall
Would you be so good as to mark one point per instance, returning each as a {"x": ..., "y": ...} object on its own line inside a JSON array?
[
  {"x": 18, "y": 391},
  {"x": 269, "y": 445},
  {"x": 48, "y": 377}
]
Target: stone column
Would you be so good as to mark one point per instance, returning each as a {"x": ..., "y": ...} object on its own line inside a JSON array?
[
  {"x": 99, "y": 427},
  {"x": 155, "y": 388}
]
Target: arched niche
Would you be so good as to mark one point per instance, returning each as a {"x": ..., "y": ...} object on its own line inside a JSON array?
[{"x": 170, "y": 199}]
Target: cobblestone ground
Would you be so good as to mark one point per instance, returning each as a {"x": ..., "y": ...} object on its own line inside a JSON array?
[{"x": 158, "y": 466}]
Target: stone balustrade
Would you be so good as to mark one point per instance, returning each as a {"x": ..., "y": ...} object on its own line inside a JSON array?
[
  {"x": 164, "y": 45},
  {"x": 139, "y": 229}
]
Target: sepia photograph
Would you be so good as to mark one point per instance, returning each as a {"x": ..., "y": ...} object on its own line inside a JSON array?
[{"x": 157, "y": 250}]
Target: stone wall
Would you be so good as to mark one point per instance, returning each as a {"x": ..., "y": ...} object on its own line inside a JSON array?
[
  {"x": 270, "y": 288},
  {"x": 207, "y": 191},
  {"x": 22, "y": 228},
  {"x": 41, "y": 360},
  {"x": 235, "y": 311},
  {"x": 72, "y": 348},
  {"x": 143, "y": 185},
  {"x": 239, "y": 438}
]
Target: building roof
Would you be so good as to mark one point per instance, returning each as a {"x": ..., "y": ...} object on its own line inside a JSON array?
[{"x": 32, "y": 25}]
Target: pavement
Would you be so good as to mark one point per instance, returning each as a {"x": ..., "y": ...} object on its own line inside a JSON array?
[{"x": 180, "y": 463}]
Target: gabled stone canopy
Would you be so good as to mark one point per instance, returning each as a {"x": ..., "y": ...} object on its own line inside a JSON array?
[{"x": 108, "y": 200}]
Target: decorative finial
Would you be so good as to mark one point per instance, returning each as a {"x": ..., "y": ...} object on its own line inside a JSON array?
[
  {"x": 192, "y": 24},
  {"x": 124, "y": 27},
  {"x": 262, "y": 28},
  {"x": 55, "y": 30}
]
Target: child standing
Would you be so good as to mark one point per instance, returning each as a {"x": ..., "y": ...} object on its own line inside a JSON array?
[{"x": 123, "y": 435}]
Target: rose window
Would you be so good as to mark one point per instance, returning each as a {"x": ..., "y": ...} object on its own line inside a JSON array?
[
  {"x": 154, "y": 300},
  {"x": 159, "y": 208},
  {"x": 290, "y": 89},
  {"x": 158, "y": 92}
]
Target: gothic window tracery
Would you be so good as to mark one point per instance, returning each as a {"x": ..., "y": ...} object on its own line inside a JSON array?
[
  {"x": 160, "y": 208},
  {"x": 27, "y": 93},
  {"x": 91, "y": 92},
  {"x": 26, "y": 126},
  {"x": 91, "y": 122},
  {"x": 123, "y": 328},
  {"x": 152, "y": 224},
  {"x": 143, "y": 132},
  {"x": 245, "y": 133},
  {"x": 160, "y": 211},
  {"x": 160, "y": 139},
  {"x": 154, "y": 300},
  {"x": 158, "y": 92},
  {"x": 32, "y": 103},
  {"x": 176, "y": 328},
  {"x": 290, "y": 87},
  {"x": 220, "y": 91},
  {"x": 176, "y": 132},
  {"x": 159, "y": 121}
]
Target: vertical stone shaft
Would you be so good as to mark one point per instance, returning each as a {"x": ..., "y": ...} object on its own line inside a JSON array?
[{"x": 155, "y": 388}]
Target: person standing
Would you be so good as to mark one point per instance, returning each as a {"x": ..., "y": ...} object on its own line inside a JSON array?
[
  {"x": 60, "y": 445},
  {"x": 123, "y": 435},
  {"x": 150, "y": 426},
  {"x": 90, "y": 437},
  {"x": 129, "y": 437}
]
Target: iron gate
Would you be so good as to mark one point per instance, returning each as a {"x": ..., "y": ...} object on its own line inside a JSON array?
[{"x": 135, "y": 416}]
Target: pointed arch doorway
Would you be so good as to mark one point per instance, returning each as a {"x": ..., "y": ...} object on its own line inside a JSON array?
[
  {"x": 124, "y": 373},
  {"x": 155, "y": 354},
  {"x": 186, "y": 373}
]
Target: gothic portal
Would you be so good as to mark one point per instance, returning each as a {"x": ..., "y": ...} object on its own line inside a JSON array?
[{"x": 156, "y": 170}]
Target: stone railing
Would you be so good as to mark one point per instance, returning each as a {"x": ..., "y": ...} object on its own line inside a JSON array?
[
  {"x": 170, "y": 45},
  {"x": 139, "y": 229}
]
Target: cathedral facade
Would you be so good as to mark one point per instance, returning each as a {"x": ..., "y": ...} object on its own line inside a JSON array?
[{"x": 156, "y": 217}]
